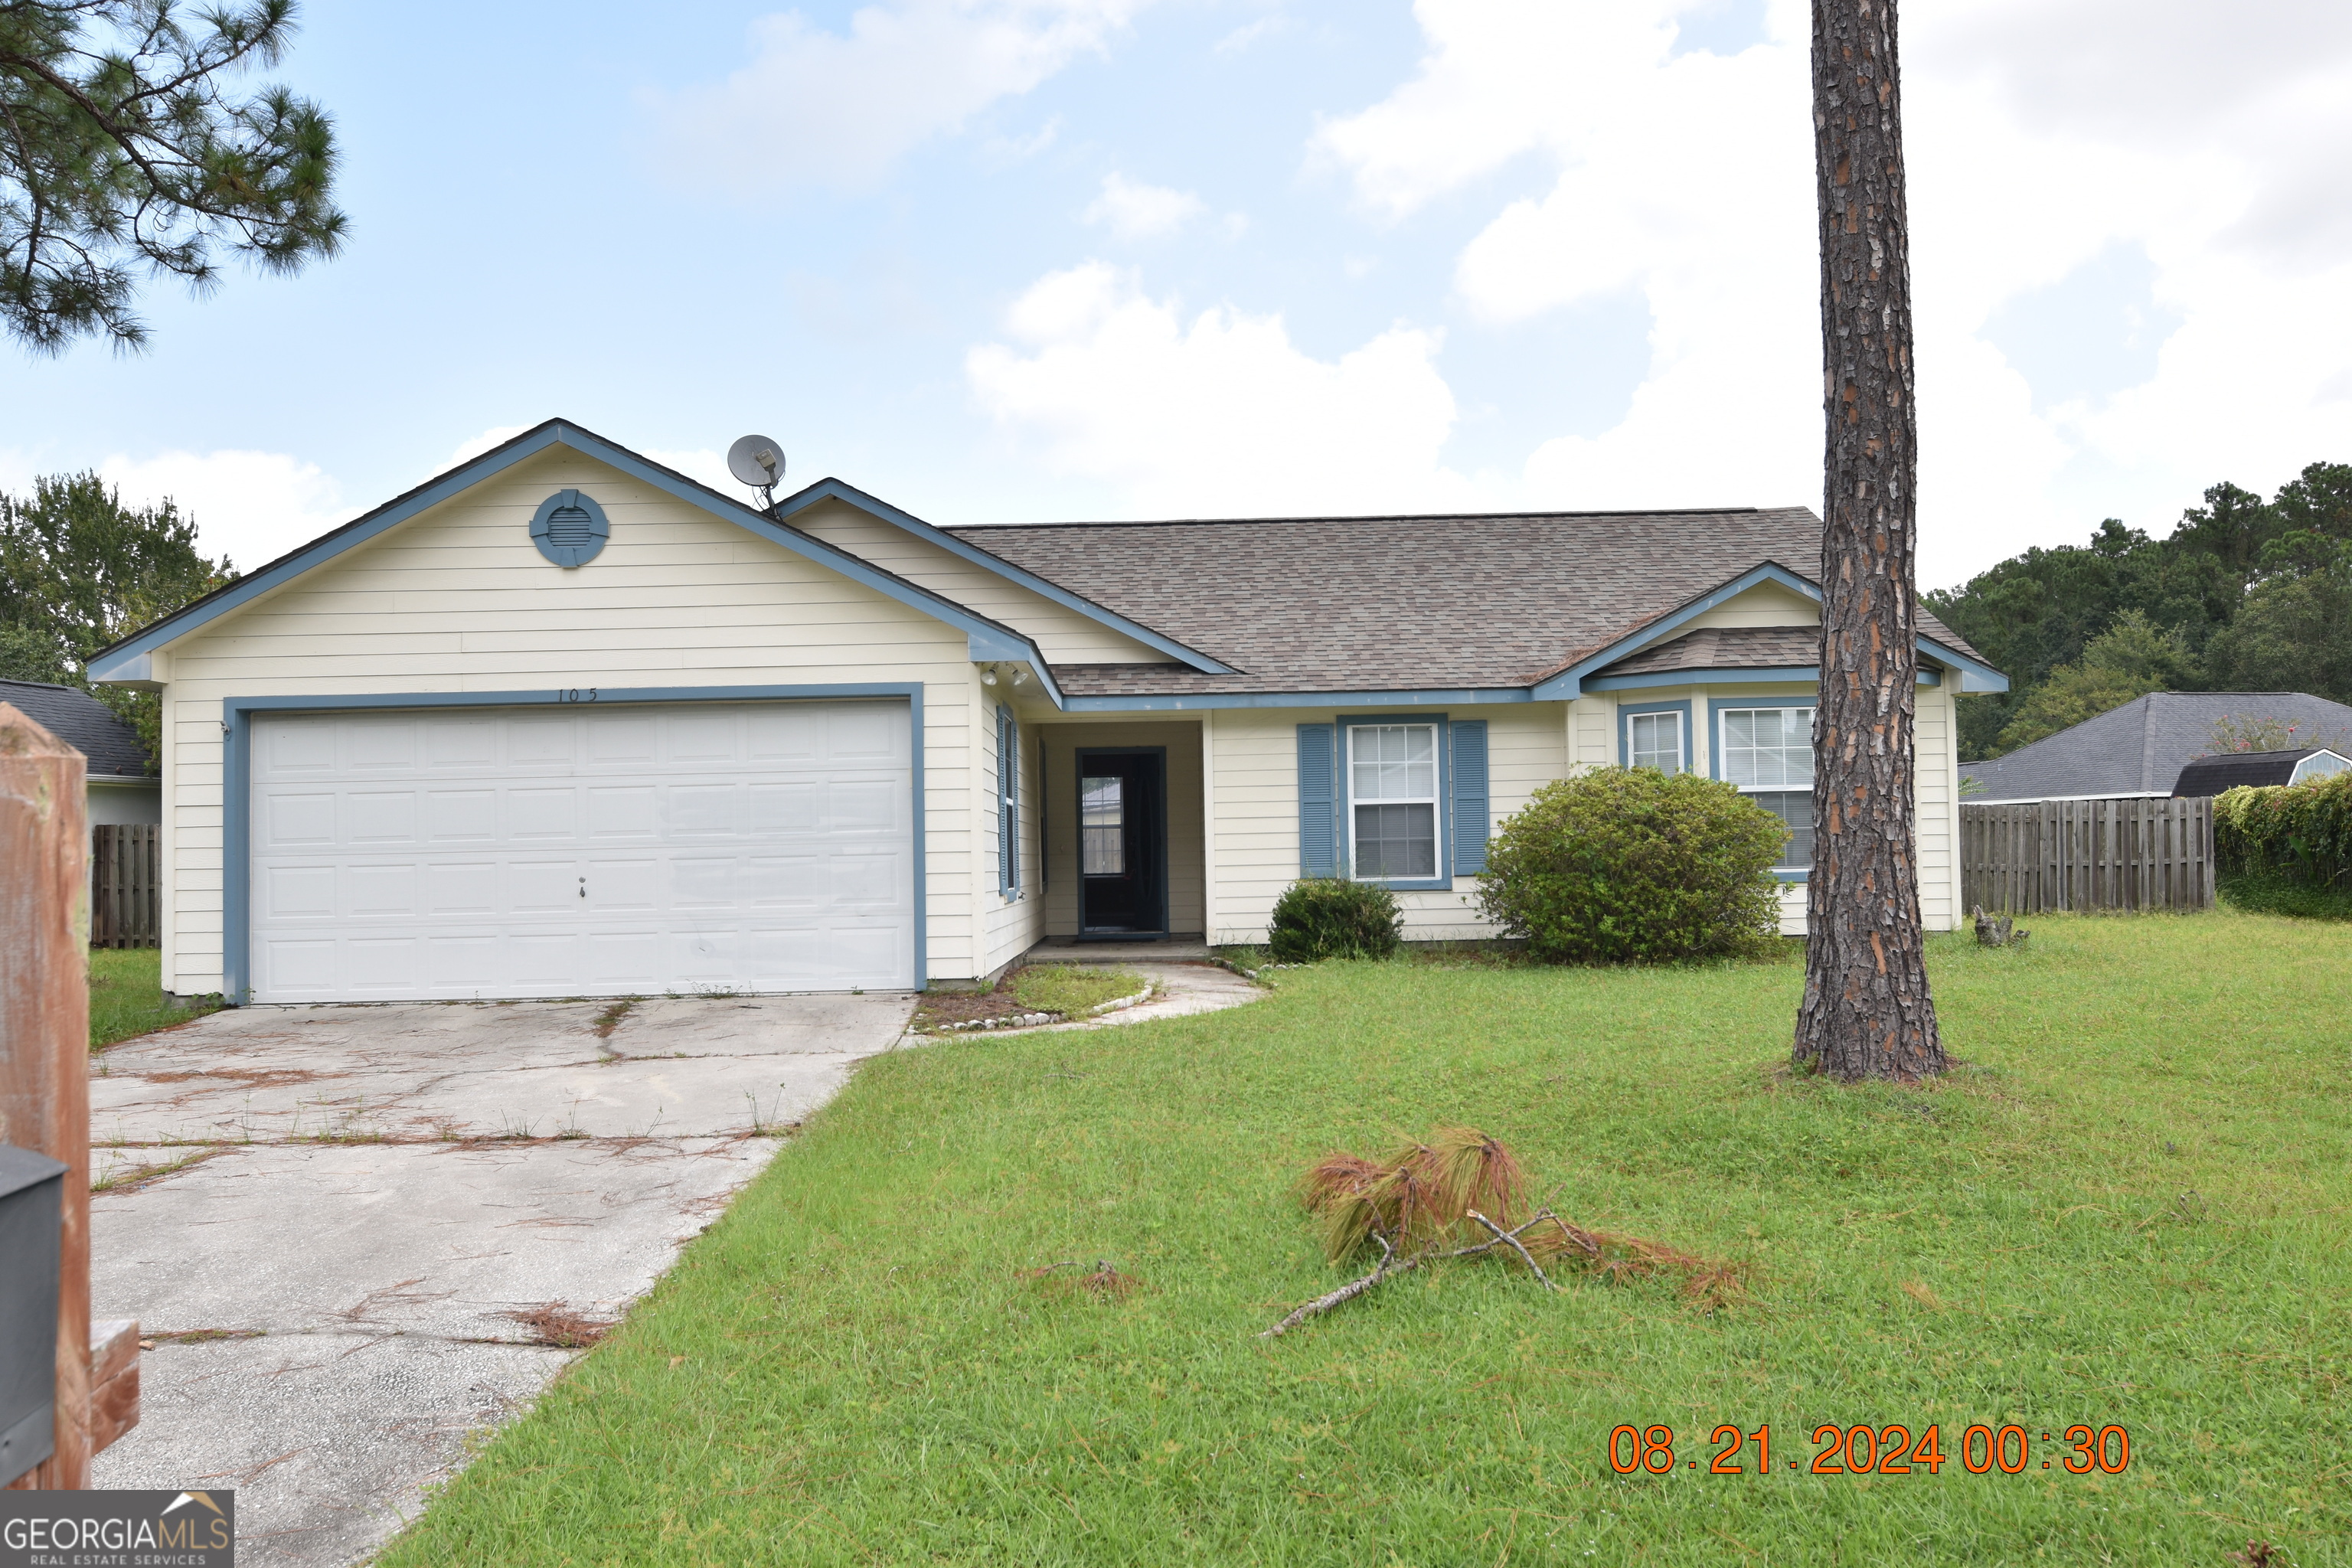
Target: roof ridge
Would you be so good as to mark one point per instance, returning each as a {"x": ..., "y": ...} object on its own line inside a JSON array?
[{"x": 1369, "y": 517}]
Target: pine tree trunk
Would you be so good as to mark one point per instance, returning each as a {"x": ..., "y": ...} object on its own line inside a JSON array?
[{"x": 1866, "y": 1012}]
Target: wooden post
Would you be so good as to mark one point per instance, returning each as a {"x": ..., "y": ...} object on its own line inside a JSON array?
[{"x": 45, "y": 1031}]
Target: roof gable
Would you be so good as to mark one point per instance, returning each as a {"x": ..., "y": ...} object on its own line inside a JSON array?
[
  {"x": 832, "y": 490},
  {"x": 130, "y": 661}
]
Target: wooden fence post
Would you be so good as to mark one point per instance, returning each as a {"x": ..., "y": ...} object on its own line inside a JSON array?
[{"x": 45, "y": 1031}]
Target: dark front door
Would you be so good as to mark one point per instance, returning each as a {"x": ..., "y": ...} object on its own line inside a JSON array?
[{"x": 1122, "y": 840}]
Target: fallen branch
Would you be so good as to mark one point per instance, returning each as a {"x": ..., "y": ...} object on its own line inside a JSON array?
[{"x": 1425, "y": 1195}]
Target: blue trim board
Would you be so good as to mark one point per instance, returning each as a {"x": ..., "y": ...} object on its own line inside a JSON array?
[
  {"x": 1345, "y": 807},
  {"x": 835, "y": 490},
  {"x": 1755, "y": 675},
  {"x": 1715, "y": 707},
  {"x": 236, "y": 785},
  {"x": 1457, "y": 696},
  {"x": 1568, "y": 682},
  {"x": 1625, "y": 730},
  {"x": 122, "y": 662}
]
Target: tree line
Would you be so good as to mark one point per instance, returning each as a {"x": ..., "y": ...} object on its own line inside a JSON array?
[
  {"x": 79, "y": 569},
  {"x": 2245, "y": 594}
]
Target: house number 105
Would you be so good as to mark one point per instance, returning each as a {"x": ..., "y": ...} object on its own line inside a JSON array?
[{"x": 577, "y": 694}]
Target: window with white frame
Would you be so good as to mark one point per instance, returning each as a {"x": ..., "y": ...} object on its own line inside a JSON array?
[
  {"x": 1393, "y": 801},
  {"x": 1654, "y": 741},
  {"x": 1767, "y": 752}
]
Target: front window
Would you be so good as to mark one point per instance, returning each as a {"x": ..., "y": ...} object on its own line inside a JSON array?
[
  {"x": 1392, "y": 800},
  {"x": 1654, "y": 741},
  {"x": 1767, "y": 752}
]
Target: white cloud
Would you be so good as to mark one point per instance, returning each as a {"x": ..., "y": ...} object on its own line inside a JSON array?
[
  {"x": 838, "y": 108},
  {"x": 2212, "y": 140},
  {"x": 1220, "y": 414},
  {"x": 1132, "y": 210},
  {"x": 252, "y": 507},
  {"x": 475, "y": 446}
]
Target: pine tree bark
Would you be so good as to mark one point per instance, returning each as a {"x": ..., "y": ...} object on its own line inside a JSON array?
[{"x": 1866, "y": 1012}]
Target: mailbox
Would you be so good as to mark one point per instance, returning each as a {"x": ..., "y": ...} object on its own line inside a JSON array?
[{"x": 32, "y": 1210}]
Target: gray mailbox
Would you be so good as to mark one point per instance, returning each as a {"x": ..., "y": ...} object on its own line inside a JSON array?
[{"x": 32, "y": 1210}]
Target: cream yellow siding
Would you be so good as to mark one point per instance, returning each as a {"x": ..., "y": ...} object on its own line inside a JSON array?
[
  {"x": 1253, "y": 755},
  {"x": 1063, "y": 635},
  {"x": 1765, "y": 604},
  {"x": 1010, "y": 926},
  {"x": 459, "y": 599}
]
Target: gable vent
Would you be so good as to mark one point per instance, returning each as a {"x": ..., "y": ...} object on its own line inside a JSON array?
[{"x": 570, "y": 528}]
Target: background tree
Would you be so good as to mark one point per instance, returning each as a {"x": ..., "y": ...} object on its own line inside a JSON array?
[
  {"x": 2250, "y": 587},
  {"x": 123, "y": 151},
  {"x": 79, "y": 569},
  {"x": 2131, "y": 658},
  {"x": 1866, "y": 1012}
]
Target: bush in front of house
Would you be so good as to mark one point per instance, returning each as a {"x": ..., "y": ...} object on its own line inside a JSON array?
[
  {"x": 2297, "y": 833},
  {"x": 1331, "y": 917},
  {"x": 1634, "y": 866}
]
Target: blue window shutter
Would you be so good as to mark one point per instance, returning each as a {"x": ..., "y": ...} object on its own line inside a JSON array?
[
  {"x": 1008, "y": 843},
  {"x": 1013, "y": 802},
  {"x": 1318, "y": 826},
  {"x": 1472, "y": 822}
]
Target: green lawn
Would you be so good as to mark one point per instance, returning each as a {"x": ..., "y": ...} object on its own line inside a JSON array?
[
  {"x": 2132, "y": 1210},
  {"x": 126, "y": 996}
]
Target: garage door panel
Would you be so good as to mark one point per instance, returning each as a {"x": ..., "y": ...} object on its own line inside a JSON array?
[
  {"x": 765, "y": 847},
  {"x": 541, "y": 814},
  {"x": 298, "y": 821},
  {"x": 462, "y": 888},
  {"x": 374, "y": 891},
  {"x": 461, "y": 816},
  {"x": 297, "y": 893},
  {"x": 624, "y": 811},
  {"x": 705, "y": 810}
]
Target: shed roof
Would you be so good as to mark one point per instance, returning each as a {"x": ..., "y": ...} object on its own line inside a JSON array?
[
  {"x": 83, "y": 723},
  {"x": 1453, "y": 601},
  {"x": 2211, "y": 775},
  {"x": 2141, "y": 747}
]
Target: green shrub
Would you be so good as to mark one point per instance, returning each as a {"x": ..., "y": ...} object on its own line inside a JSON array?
[
  {"x": 2300, "y": 833},
  {"x": 1331, "y": 917},
  {"x": 1630, "y": 865}
]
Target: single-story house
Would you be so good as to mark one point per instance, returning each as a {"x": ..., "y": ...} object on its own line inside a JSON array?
[
  {"x": 2139, "y": 748},
  {"x": 562, "y": 722},
  {"x": 2211, "y": 775},
  {"x": 123, "y": 789}
]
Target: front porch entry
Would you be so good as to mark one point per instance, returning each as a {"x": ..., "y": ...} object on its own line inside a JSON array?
[{"x": 1123, "y": 833}]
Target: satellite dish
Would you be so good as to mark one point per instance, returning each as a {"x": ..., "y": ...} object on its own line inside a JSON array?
[{"x": 756, "y": 461}]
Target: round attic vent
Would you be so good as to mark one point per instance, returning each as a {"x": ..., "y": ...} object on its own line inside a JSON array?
[{"x": 569, "y": 528}]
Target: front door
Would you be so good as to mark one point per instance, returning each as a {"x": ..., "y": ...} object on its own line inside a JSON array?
[{"x": 1122, "y": 844}]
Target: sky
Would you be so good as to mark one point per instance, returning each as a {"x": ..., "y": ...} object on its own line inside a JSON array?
[{"x": 1019, "y": 260}]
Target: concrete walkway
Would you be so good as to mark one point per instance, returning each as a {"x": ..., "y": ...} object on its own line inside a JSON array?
[{"x": 331, "y": 1288}]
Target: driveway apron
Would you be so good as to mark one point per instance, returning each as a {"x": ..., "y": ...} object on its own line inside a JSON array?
[{"x": 355, "y": 1235}]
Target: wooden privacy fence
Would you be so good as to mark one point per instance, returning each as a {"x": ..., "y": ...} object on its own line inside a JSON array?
[
  {"x": 2032, "y": 857},
  {"x": 125, "y": 884}
]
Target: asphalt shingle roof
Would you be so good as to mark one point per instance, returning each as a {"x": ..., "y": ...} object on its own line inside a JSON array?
[
  {"x": 2141, "y": 747},
  {"x": 2211, "y": 775},
  {"x": 83, "y": 723},
  {"x": 1348, "y": 604}
]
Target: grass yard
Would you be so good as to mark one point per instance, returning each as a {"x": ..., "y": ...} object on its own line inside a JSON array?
[
  {"x": 2131, "y": 1211},
  {"x": 126, "y": 996}
]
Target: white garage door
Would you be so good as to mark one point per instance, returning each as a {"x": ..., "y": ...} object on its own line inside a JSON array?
[{"x": 579, "y": 851}]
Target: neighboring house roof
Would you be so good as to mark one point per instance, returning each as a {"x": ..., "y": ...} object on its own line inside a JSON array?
[
  {"x": 2141, "y": 747},
  {"x": 1727, "y": 647},
  {"x": 2211, "y": 775},
  {"x": 1428, "y": 603},
  {"x": 83, "y": 723}
]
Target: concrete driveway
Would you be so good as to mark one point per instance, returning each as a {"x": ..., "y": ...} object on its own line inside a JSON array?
[{"x": 335, "y": 1285}]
